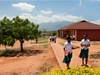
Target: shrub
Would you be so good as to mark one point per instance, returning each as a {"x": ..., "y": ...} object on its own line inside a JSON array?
[
  {"x": 75, "y": 71},
  {"x": 95, "y": 56}
]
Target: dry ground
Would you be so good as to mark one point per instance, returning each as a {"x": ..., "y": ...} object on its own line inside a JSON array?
[
  {"x": 29, "y": 65},
  {"x": 32, "y": 65}
]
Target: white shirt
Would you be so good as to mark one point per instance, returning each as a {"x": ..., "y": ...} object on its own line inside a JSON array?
[
  {"x": 68, "y": 47},
  {"x": 85, "y": 42}
]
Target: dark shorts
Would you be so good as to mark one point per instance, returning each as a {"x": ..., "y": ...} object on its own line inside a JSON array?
[
  {"x": 84, "y": 53},
  {"x": 67, "y": 58}
]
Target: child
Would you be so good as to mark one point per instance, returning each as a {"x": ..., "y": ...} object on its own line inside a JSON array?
[
  {"x": 68, "y": 51},
  {"x": 85, "y": 43}
]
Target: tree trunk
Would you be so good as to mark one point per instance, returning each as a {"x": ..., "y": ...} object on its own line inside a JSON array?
[
  {"x": 5, "y": 47},
  {"x": 36, "y": 40},
  {"x": 21, "y": 45}
]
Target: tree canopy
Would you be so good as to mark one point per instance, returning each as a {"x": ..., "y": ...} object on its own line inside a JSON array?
[{"x": 17, "y": 29}]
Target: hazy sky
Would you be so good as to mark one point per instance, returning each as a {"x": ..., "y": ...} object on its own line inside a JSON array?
[{"x": 43, "y": 11}]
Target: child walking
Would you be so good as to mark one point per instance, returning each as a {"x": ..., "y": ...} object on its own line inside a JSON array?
[{"x": 68, "y": 51}]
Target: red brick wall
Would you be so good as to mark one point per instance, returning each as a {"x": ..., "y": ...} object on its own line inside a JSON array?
[{"x": 93, "y": 35}]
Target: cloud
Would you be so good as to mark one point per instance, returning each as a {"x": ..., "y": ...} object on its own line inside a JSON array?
[
  {"x": 46, "y": 12},
  {"x": 54, "y": 18},
  {"x": 80, "y": 2},
  {"x": 96, "y": 22},
  {"x": 9, "y": 17},
  {"x": 24, "y": 6},
  {"x": 40, "y": 18}
]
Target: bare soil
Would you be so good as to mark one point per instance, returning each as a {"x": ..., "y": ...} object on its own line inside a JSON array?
[
  {"x": 39, "y": 62},
  {"x": 29, "y": 65}
]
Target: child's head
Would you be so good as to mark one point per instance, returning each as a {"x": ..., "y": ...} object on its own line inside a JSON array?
[
  {"x": 85, "y": 36},
  {"x": 68, "y": 39}
]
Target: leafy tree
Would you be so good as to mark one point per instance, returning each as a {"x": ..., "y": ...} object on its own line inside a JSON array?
[
  {"x": 17, "y": 29},
  {"x": 53, "y": 33},
  {"x": 6, "y": 37},
  {"x": 44, "y": 33},
  {"x": 23, "y": 30},
  {"x": 37, "y": 33}
]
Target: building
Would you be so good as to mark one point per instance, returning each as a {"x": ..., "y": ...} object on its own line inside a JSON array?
[{"x": 80, "y": 28}]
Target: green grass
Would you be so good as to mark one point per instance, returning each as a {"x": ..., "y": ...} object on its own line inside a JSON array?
[
  {"x": 95, "y": 43},
  {"x": 62, "y": 44},
  {"x": 8, "y": 53},
  {"x": 45, "y": 46},
  {"x": 95, "y": 56},
  {"x": 44, "y": 69},
  {"x": 13, "y": 53},
  {"x": 41, "y": 41}
]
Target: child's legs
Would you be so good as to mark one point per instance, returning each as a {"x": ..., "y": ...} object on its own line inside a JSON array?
[
  {"x": 86, "y": 61},
  {"x": 82, "y": 61},
  {"x": 67, "y": 65}
]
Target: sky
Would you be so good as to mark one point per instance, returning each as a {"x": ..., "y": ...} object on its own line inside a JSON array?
[{"x": 44, "y": 11}]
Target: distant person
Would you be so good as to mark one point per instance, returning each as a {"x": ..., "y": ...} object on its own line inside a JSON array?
[
  {"x": 55, "y": 39},
  {"x": 68, "y": 51},
  {"x": 50, "y": 38},
  {"x": 71, "y": 37},
  {"x": 74, "y": 37},
  {"x": 85, "y": 43}
]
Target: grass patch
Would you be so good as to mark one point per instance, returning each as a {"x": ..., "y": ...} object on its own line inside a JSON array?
[
  {"x": 95, "y": 56},
  {"x": 44, "y": 69},
  {"x": 95, "y": 43},
  {"x": 62, "y": 44},
  {"x": 45, "y": 46},
  {"x": 13, "y": 53},
  {"x": 40, "y": 41}
]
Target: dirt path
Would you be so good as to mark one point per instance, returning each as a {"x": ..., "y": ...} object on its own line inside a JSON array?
[{"x": 59, "y": 53}]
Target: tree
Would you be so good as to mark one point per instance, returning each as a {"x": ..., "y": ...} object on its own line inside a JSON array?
[
  {"x": 53, "y": 33},
  {"x": 17, "y": 29},
  {"x": 6, "y": 37},
  {"x": 37, "y": 33},
  {"x": 23, "y": 30}
]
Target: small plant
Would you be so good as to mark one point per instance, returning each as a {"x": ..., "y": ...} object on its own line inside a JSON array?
[
  {"x": 45, "y": 68},
  {"x": 12, "y": 53},
  {"x": 62, "y": 44},
  {"x": 95, "y": 56},
  {"x": 45, "y": 46}
]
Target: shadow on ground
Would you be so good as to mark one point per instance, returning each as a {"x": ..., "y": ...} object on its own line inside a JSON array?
[{"x": 13, "y": 53}]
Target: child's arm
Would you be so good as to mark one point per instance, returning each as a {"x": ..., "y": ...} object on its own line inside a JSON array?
[
  {"x": 65, "y": 53},
  {"x": 75, "y": 47},
  {"x": 85, "y": 45}
]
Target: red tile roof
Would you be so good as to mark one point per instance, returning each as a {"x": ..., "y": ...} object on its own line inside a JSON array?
[{"x": 81, "y": 25}]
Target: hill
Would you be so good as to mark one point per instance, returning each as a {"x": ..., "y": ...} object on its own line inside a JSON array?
[{"x": 53, "y": 26}]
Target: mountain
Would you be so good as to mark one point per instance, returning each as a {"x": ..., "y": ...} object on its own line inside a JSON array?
[{"x": 53, "y": 26}]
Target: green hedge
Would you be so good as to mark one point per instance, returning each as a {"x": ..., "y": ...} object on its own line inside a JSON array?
[{"x": 75, "y": 71}]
